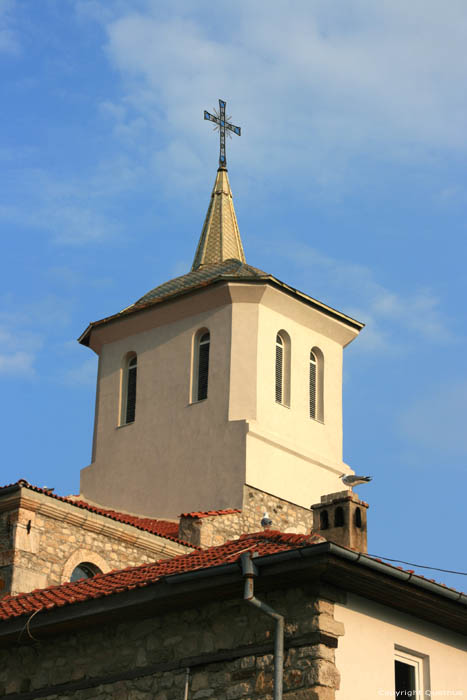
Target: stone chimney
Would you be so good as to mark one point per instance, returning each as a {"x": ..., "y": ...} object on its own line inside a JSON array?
[{"x": 341, "y": 518}]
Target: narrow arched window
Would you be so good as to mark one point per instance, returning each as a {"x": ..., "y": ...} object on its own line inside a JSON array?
[
  {"x": 282, "y": 369},
  {"x": 203, "y": 366},
  {"x": 358, "y": 518},
  {"x": 279, "y": 368},
  {"x": 339, "y": 517},
  {"x": 316, "y": 383},
  {"x": 323, "y": 520},
  {"x": 313, "y": 368},
  {"x": 129, "y": 389}
]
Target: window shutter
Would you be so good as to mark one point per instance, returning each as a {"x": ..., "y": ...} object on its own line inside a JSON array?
[
  {"x": 279, "y": 368},
  {"x": 312, "y": 386},
  {"x": 131, "y": 392},
  {"x": 203, "y": 367}
]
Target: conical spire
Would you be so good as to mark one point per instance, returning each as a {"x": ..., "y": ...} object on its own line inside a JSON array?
[{"x": 220, "y": 238}]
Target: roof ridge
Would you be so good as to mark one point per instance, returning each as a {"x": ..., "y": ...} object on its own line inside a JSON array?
[{"x": 133, "y": 520}]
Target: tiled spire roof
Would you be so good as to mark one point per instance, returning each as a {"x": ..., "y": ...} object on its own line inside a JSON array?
[{"x": 220, "y": 238}]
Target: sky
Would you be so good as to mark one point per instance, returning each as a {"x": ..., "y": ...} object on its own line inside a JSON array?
[{"x": 349, "y": 183}]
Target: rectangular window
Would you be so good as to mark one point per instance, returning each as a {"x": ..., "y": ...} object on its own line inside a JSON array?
[{"x": 411, "y": 673}]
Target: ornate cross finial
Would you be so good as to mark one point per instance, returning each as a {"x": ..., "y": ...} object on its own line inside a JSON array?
[{"x": 221, "y": 125}]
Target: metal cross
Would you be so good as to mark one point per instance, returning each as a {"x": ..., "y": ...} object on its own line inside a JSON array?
[{"x": 221, "y": 125}]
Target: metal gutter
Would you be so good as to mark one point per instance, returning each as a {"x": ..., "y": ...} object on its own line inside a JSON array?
[{"x": 205, "y": 579}]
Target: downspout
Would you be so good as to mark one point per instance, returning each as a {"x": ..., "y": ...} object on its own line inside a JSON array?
[
  {"x": 249, "y": 571},
  {"x": 187, "y": 683}
]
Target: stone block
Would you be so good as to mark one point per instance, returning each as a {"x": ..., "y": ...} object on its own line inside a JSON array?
[
  {"x": 238, "y": 691},
  {"x": 323, "y": 673}
]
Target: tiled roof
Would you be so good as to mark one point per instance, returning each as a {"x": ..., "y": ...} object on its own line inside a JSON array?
[
  {"x": 266, "y": 542},
  {"x": 208, "y": 513},
  {"x": 230, "y": 270},
  {"x": 161, "y": 528},
  {"x": 220, "y": 238},
  {"x": 207, "y": 274}
]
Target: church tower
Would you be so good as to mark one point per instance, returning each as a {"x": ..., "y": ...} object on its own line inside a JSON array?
[{"x": 220, "y": 378}]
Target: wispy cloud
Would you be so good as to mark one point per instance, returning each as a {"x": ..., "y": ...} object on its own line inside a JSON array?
[
  {"x": 23, "y": 331},
  {"x": 19, "y": 347},
  {"x": 380, "y": 79},
  {"x": 418, "y": 311},
  {"x": 436, "y": 421},
  {"x": 9, "y": 42},
  {"x": 82, "y": 375}
]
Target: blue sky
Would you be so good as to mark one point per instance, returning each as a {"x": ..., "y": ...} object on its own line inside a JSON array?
[{"x": 349, "y": 183}]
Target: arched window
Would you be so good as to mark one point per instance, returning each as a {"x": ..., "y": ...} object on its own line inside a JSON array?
[
  {"x": 358, "y": 518},
  {"x": 129, "y": 389},
  {"x": 316, "y": 381},
  {"x": 323, "y": 520},
  {"x": 339, "y": 520},
  {"x": 201, "y": 365},
  {"x": 84, "y": 570},
  {"x": 282, "y": 369}
]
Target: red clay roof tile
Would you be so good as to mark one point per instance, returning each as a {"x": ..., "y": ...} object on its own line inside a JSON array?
[
  {"x": 161, "y": 528},
  {"x": 266, "y": 542},
  {"x": 207, "y": 513}
]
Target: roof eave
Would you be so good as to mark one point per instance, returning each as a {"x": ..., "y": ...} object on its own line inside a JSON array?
[
  {"x": 325, "y": 563},
  {"x": 85, "y": 337}
]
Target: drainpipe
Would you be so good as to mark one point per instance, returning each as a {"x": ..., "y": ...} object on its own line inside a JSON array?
[
  {"x": 187, "y": 683},
  {"x": 249, "y": 571}
]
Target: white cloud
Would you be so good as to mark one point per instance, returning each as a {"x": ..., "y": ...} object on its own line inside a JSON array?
[
  {"x": 8, "y": 36},
  {"x": 310, "y": 83},
  {"x": 17, "y": 364},
  {"x": 23, "y": 330},
  {"x": 381, "y": 309},
  {"x": 437, "y": 421},
  {"x": 82, "y": 375},
  {"x": 18, "y": 349}
]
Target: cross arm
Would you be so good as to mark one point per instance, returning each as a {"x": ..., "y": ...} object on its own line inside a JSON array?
[
  {"x": 211, "y": 117},
  {"x": 235, "y": 129}
]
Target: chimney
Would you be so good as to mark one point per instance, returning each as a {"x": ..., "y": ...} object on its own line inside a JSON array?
[{"x": 341, "y": 518}]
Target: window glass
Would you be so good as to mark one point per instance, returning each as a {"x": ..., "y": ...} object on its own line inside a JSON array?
[
  {"x": 131, "y": 390},
  {"x": 84, "y": 570},
  {"x": 279, "y": 368},
  {"x": 203, "y": 366}
]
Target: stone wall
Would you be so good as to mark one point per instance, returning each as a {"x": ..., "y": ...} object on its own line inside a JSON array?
[
  {"x": 45, "y": 539},
  {"x": 216, "y": 529},
  {"x": 6, "y": 553},
  {"x": 227, "y": 647}
]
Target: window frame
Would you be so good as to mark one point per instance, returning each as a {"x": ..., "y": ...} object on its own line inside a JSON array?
[
  {"x": 420, "y": 664},
  {"x": 85, "y": 566},
  {"x": 285, "y": 375},
  {"x": 124, "y": 380},
  {"x": 318, "y": 365},
  {"x": 195, "y": 364}
]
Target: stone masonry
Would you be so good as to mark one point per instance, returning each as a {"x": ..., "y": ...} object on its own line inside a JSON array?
[
  {"x": 209, "y": 530},
  {"x": 225, "y": 645},
  {"x": 42, "y": 539}
]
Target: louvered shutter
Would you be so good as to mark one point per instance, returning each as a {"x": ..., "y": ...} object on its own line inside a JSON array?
[
  {"x": 312, "y": 386},
  {"x": 131, "y": 392},
  {"x": 203, "y": 367},
  {"x": 279, "y": 368}
]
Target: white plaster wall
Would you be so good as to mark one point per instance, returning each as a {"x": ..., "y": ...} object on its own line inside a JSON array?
[
  {"x": 176, "y": 456},
  {"x": 288, "y": 453},
  {"x": 365, "y": 655},
  {"x": 179, "y": 457},
  {"x": 283, "y": 469}
]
